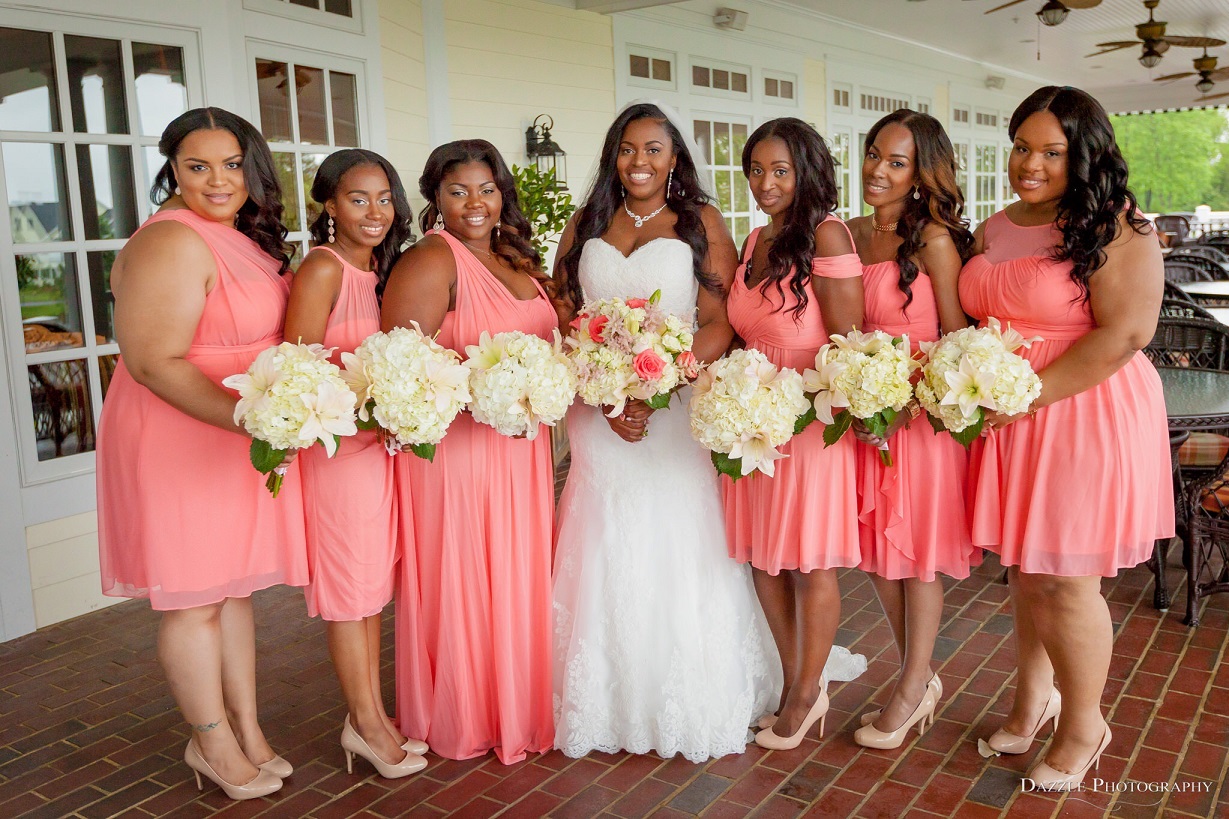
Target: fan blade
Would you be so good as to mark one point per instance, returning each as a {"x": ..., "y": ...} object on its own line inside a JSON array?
[
  {"x": 1120, "y": 44},
  {"x": 1213, "y": 97},
  {"x": 1081, "y": 4},
  {"x": 1169, "y": 77},
  {"x": 1192, "y": 42},
  {"x": 1219, "y": 74},
  {"x": 1109, "y": 50},
  {"x": 1005, "y": 5}
]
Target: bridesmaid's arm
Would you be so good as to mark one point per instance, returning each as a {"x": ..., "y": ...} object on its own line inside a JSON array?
[
  {"x": 160, "y": 281},
  {"x": 713, "y": 337},
  {"x": 421, "y": 287},
  {"x": 313, "y": 294},
  {"x": 840, "y": 300},
  {"x": 940, "y": 260},
  {"x": 1125, "y": 298}
]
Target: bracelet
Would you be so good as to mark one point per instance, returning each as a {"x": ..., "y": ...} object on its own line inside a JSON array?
[{"x": 914, "y": 409}]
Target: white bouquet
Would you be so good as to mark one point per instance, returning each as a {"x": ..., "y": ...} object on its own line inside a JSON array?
[
  {"x": 291, "y": 397},
  {"x": 743, "y": 408},
  {"x": 864, "y": 376},
  {"x": 519, "y": 381},
  {"x": 973, "y": 370},
  {"x": 622, "y": 349},
  {"x": 408, "y": 385}
]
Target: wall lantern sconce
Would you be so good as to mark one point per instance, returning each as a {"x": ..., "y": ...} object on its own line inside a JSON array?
[{"x": 545, "y": 152}]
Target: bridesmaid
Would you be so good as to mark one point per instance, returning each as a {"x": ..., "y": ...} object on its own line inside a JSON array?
[
  {"x": 799, "y": 281},
  {"x": 349, "y": 498},
  {"x": 474, "y": 604},
  {"x": 183, "y": 519},
  {"x": 1078, "y": 488},
  {"x": 911, "y": 516}
]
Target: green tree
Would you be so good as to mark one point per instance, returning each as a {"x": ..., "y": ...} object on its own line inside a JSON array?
[{"x": 1173, "y": 157}]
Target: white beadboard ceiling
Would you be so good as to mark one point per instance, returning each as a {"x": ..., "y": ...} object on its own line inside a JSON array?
[{"x": 1010, "y": 38}]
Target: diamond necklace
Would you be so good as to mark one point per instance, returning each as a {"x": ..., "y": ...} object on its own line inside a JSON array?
[{"x": 640, "y": 220}]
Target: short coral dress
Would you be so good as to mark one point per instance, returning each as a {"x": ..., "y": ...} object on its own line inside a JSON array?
[
  {"x": 474, "y": 633},
  {"x": 912, "y": 520},
  {"x": 1083, "y": 487},
  {"x": 805, "y": 516},
  {"x": 183, "y": 518},
  {"x": 349, "y": 500}
]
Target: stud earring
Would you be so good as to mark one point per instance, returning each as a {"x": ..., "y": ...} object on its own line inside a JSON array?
[
  {"x": 332, "y": 238},
  {"x": 917, "y": 194},
  {"x": 439, "y": 221},
  {"x": 177, "y": 190}
]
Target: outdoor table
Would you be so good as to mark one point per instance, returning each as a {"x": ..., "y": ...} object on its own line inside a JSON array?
[
  {"x": 1207, "y": 292},
  {"x": 1221, "y": 314}
]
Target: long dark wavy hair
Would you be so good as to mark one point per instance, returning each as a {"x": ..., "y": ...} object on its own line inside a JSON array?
[
  {"x": 685, "y": 198},
  {"x": 260, "y": 218},
  {"x": 939, "y": 199},
  {"x": 1097, "y": 192},
  {"x": 324, "y": 188},
  {"x": 510, "y": 242},
  {"x": 792, "y": 254}
]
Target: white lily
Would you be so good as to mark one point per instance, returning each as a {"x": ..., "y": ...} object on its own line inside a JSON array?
[
  {"x": 331, "y": 413},
  {"x": 970, "y": 389},
  {"x": 254, "y": 384},
  {"x": 444, "y": 381},
  {"x": 487, "y": 352},
  {"x": 756, "y": 452}
]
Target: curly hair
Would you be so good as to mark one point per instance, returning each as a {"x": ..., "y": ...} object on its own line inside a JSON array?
[
  {"x": 401, "y": 231},
  {"x": 1097, "y": 193},
  {"x": 260, "y": 218},
  {"x": 511, "y": 241},
  {"x": 685, "y": 198},
  {"x": 792, "y": 255},
  {"x": 939, "y": 198}
]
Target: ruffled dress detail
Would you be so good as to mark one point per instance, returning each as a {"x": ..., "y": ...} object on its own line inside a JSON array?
[
  {"x": 1083, "y": 487},
  {"x": 912, "y": 516}
]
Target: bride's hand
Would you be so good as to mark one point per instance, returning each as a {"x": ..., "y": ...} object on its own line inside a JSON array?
[{"x": 627, "y": 427}]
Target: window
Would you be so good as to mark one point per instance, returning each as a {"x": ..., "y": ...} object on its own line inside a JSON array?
[
  {"x": 961, "y": 150},
  {"x": 882, "y": 103},
  {"x": 1008, "y": 194},
  {"x": 780, "y": 87},
  {"x": 839, "y": 148},
  {"x": 985, "y": 181},
  {"x": 341, "y": 15},
  {"x": 987, "y": 119},
  {"x": 721, "y": 144},
  {"x": 923, "y": 105},
  {"x": 306, "y": 113},
  {"x": 79, "y": 129},
  {"x": 650, "y": 67},
  {"x": 960, "y": 115},
  {"x": 342, "y": 7},
  {"x": 717, "y": 79},
  {"x": 840, "y": 97}
]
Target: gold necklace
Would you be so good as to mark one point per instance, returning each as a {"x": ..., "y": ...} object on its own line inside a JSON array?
[
  {"x": 888, "y": 228},
  {"x": 473, "y": 249}
]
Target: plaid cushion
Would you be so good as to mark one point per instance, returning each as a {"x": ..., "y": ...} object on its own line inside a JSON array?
[
  {"x": 1203, "y": 449},
  {"x": 1217, "y": 501}
]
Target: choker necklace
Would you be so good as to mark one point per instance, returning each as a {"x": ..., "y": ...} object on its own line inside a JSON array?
[
  {"x": 640, "y": 220},
  {"x": 888, "y": 228}
]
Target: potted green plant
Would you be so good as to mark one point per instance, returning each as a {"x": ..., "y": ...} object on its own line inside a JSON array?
[{"x": 544, "y": 203}]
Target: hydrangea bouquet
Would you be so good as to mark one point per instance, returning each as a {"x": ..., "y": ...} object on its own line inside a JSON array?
[
  {"x": 407, "y": 385},
  {"x": 743, "y": 408},
  {"x": 864, "y": 376},
  {"x": 973, "y": 370},
  {"x": 291, "y": 397},
  {"x": 519, "y": 381},
  {"x": 622, "y": 349}
]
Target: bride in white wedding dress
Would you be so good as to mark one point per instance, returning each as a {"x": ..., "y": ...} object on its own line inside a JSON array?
[{"x": 660, "y": 644}]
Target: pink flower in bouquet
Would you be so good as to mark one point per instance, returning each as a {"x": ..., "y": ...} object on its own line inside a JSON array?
[
  {"x": 648, "y": 365},
  {"x": 578, "y": 321},
  {"x": 688, "y": 364},
  {"x": 635, "y": 303},
  {"x": 597, "y": 327}
]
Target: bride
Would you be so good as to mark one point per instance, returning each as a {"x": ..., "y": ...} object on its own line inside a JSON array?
[{"x": 659, "y": 643}]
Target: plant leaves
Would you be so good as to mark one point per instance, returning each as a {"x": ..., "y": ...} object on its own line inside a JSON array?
[
  {"x": 935, "y": 423},
  {"x": 424, "y": 451},
  {"x": 803, "y": 421},
  {"x": 727, "y": 465},
  {"x": 264, "y": 457},
  {"x": 972, "y": 432},
  {"x": 659, "y": 401},
  {"x": 841, "y": 422}
]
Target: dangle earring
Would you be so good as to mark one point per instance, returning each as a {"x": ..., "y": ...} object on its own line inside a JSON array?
[
  {"x": 332, "y": 238},
  {"x": 669, "y": 182},
  {"x": 498, "y": 222},
  {"x": 439, "y": 221},
  {"x": 177, "y": 190},
  {"x": 917, "y": 192}
]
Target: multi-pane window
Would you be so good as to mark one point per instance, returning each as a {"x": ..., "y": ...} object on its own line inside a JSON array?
[
  {"x": 987, "y": 119},
  {"x": 723, "y": 80},
  {"x": 1008, "y": 193},
  {"x": 985, "y": 180},
  {"x": 839, "y": 148},
  {"x": 882, "y": 103},
  {"x": 960, "y": 115},
  {"x": 306, "y": 113},
  {"x": 780, "y": 87},
  {"x": 961, "y": 150},
  {"x": 923, "y": 105},
  {"x": 652, "y": 66},
  {"x": 343, "y": 7},
  {"x": 721, "y": 144},
  {"x": 840, "y": 97},
  {"x": 79, "y": 128}
]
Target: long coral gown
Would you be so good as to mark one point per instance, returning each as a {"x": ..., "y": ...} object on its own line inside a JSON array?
[
  {"x": 912, "y": 519},
  {"x": 349, "y": 500},
  {"x": 183, "y": 518},
  {"x": 474, "y": 595},
  {"x": 1083, "y": 487},
  {"x": 805, "y": 517}
]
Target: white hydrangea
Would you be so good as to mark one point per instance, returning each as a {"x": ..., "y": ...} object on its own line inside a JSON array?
[
  {"x": 518, "y": 382},
  {"x": 409, "y": 384},
  {"x": 744, "y": 407}
]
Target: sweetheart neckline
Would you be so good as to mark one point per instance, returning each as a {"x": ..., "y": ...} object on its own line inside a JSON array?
[{"x": 638, "y": 249}]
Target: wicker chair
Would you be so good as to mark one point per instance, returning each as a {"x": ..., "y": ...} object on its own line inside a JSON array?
[
  {"x": 1174, "y": 227},
  {"x": 1183, "y": 308},
  {"x": 1190, "y": 342},
  {"x": 1173, "y": 291},
  {"x": 1207, "y": 503},
  {"x": 1214, "y": 269},
  {"x": 1209, "y": 252},
  {"x": 1181, "y": 272}
]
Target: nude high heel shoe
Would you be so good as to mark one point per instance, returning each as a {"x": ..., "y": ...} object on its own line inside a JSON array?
[
  {"x": 353, "y": 744},
  {"x": 1003, "y": 742},
  {"x": 278, "y": 767},
  {"x": 768, "y": 739},
  {"x": 935, "y": 683},
  {"x": 868, "y": 736},
  {"x": 415, "y": 746},
  {"x": 264, "y": 784},
  {"x": 1052, "y": 779}
]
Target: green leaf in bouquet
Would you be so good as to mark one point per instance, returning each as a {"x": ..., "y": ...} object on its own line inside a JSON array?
[
  {"x": 264, "y": 457},
  {"x": 971, "y": 433},
  {"x": 803, "y": 421},
  {"x": 841, "y": 422},
  {"x": 935, "y": 423},
  {"x": 656, "y": 297},
  {"x": 727, "y": 465},
  {"x": 424, "y": 451},
  {"x": 660, "y": 401}
]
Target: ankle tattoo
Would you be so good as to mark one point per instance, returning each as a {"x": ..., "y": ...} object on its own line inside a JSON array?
[{"x": 206, "y": 728}]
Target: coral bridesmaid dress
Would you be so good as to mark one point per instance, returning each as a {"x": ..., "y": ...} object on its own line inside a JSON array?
[
  {"x": 1083, "y": 487},
  {"x": 912, "y": 520},
  {"x": 183, "y": 518},
  {"x": 349, "y": 499},
  {"x": 474, "y": 596},
  {"x": 805, "y": 517}
]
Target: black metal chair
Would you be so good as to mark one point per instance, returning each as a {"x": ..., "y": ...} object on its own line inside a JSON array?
[{"x": 1174, "y": 227}]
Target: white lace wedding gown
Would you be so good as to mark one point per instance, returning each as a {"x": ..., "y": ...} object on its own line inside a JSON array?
[{"x": 660, "y": 644}]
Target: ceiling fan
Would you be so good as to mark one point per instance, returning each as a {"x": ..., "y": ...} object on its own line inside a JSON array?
[
  {"x": 1205, "y": 69},
  {"x": 1151, "y": 35},
  {"x": 1053, "y": 12}
]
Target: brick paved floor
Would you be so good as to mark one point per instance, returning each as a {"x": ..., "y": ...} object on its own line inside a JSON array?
[{"x": 88, "y": 729}]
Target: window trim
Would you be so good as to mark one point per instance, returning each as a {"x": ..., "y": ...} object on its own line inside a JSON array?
[
  {"x": 779, "y": 76},
  {"x": 695, "y": 62},
  {"x": 651, "y": 54},
  {"x": 315, "y": 17}
]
